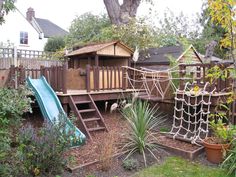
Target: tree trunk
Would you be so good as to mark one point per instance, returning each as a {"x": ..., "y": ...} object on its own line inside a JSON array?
[
  {"x": 1, "y": 7},
  {"x": 121, "y": 14}
]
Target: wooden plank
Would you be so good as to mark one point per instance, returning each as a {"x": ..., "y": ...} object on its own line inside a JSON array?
[
  {"x": 94, "y": 78},
  {"x": 111, "y": 68},
  {"x": 119, "y": 78},
  {"x": 108, "y": 78},
  {"x": 103, "y": 79},
  {"x": 115, "y": 77},
  {"x": 123, "y": 78},
  {"x": 98, "y": 77}
]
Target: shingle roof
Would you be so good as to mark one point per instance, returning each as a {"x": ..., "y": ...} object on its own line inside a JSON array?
[
  {"x": 95, "y": 47},
  {"x": 159, "y": 55},
  {"x": 50, "y": 29}
]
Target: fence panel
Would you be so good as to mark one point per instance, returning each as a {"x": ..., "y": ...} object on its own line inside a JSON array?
[{"x": 31, "y": 59}]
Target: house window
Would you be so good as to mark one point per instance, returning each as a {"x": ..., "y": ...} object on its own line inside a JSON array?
[{"x": 23, "y": 37}]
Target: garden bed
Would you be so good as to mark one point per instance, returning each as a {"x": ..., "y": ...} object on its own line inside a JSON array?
[
  {"x": 85, "y": 160},
  {"x": 181, "y": 148}
]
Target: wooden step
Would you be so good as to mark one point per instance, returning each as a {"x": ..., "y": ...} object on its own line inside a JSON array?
[
  {"x": 96, "y": 129},
  {"x": 82, "y": 102},
  {"x": 91, "y": 119},
  {"x": 86, "y": 110}
]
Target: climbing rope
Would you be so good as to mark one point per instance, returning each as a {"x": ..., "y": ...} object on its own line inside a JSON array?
[{"x": 191, "y": 113}]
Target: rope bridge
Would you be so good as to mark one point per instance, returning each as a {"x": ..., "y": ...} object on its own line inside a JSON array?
[{"x": 152, "y": 81}]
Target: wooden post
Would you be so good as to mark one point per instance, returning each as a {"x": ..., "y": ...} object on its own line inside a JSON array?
[
  {"x": 10, "y": 80},
  {"x": 64, "y": 77},
  {"x": 96, "y": 73},
  {"x": 99, "y": 79},
  {"x": 42, "y": 70},
  {"x": 15, "y": 56},
  {"x": 123, "y": 79},
  {"x": 88, "y": 78},
  {"x": 96, "y": 60},
  {"x": 198, "y": 75},
  {"x": 181, "y": 76}
]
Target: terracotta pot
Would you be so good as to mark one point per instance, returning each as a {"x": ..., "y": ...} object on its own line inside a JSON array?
[{"x": 214, "y": 152}]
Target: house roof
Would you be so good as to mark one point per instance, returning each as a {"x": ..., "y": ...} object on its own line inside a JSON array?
[
  {"x": 94, "y": 48},
  {"x": 50, "y": 29},
  {"x": 161, "y": 55}
]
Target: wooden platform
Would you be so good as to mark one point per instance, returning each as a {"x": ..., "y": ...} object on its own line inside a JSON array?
[{"x": 102, "y": 95}]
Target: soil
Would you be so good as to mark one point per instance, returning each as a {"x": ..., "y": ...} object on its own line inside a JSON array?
[{"x": 162, "y": 139}]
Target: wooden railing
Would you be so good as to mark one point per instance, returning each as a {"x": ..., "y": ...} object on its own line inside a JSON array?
[
  {"x": 105, "y": 78},
  {"x": 55, "y": 76},
  {"x": 199, "y": 73}
]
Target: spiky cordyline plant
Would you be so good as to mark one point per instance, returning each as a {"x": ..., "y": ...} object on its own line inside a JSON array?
[{"x": 142, "y": 119}]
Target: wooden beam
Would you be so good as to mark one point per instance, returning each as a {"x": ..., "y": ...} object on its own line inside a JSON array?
[{"x": 96, "y": 60}]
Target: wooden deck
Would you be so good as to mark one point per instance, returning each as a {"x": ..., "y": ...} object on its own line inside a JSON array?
[
  {"x": 102, "y": 95},
  {"x": 85, "y": 92}
]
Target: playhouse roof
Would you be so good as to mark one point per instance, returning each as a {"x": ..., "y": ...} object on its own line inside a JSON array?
[{"x": 113, "y": 48}]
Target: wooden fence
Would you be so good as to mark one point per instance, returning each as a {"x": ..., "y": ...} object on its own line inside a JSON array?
[
  {"x": 31, "y": 59},
  {"x": 95, "y": 78},
  {"x": 105, "y": 78},
  {"x": 55, "y": 76},
  {"x": 199, "y": 73}
]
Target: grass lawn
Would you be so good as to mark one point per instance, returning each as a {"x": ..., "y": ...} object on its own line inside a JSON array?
[{"x": 178, "y": 167}]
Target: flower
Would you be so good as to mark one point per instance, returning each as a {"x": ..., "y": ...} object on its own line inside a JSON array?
[{"x": 36, "y": 171}]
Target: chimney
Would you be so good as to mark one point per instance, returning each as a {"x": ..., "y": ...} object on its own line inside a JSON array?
[{"x": 30, "y": 14}]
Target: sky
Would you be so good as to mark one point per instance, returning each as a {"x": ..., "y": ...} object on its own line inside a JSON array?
[{"x": 63, "y": 12}]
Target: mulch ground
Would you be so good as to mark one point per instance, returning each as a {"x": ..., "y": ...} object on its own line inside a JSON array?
[
  {"x": 101, "y": 142},
  {"x": 109, "y": 143}
]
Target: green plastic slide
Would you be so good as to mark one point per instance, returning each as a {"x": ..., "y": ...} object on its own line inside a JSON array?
[{"x": 51, "y": 108}]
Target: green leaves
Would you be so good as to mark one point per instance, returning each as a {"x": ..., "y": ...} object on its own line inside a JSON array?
[
  {"x": 223, "y": 13},
  {"x": 5, "y": 7},
  {"x": 86, "y": 28},
  {"x": 142, "y": 120}
]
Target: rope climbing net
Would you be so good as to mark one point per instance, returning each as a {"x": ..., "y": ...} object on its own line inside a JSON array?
[
  {"x": 191, "y": 113},
  {"x": 152, "y": 81}
]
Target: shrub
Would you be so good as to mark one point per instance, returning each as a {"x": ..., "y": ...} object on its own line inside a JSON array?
[
  {"x": 130, "y": 164},
  {"x": 142, "y": 120},
  {"x": 54, "y": 44},
  {"x": 107, "y": 147},
  {"x": 41, "y": 152},
  {"x": 230, "y": 161},
  {"x": 13, "y": 104}
]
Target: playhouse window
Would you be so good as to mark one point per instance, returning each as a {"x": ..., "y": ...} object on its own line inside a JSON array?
[{"x": 23, "y": 37}]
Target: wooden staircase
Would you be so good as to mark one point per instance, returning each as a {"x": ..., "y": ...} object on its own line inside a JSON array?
[{"x": 89, "y": 118}]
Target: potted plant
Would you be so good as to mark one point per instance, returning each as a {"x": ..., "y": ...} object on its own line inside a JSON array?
[{"x": 219, "y": 143}]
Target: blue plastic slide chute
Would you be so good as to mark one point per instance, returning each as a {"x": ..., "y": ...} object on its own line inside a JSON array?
[{"x": 51, "y": 108}]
